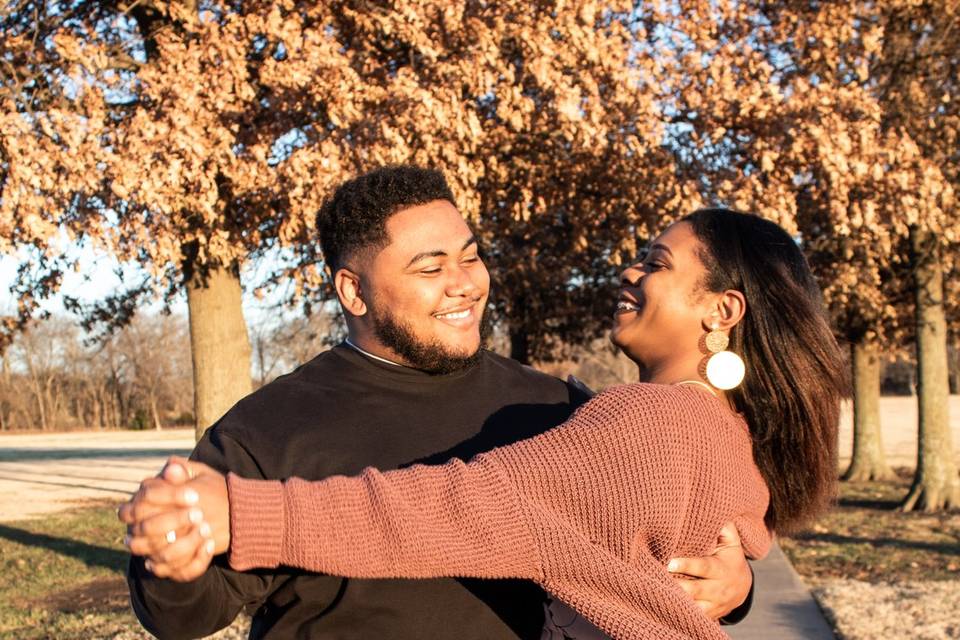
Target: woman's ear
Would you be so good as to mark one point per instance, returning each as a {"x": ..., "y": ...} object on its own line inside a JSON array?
[
  {"x": 728, "y": 310},
  {"x": 349, "y": 291}
]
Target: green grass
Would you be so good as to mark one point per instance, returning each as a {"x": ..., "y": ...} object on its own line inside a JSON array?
[
  {"x": 62, "y": 576},
  {"x": 865, "y": 537}
]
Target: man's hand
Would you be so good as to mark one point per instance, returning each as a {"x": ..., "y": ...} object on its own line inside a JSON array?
[
  {"x": 720, "y": 582},
  {"x": 179, "y": 520}
]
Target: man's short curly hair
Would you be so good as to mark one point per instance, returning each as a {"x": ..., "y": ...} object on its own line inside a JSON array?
[{"x": 355, "y": 216}]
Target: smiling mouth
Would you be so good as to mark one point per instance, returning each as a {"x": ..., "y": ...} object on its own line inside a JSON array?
[
  {"x": 455, "y": 315},
  {"x": 458, "y": 317},
  {"x": 627, "y": 305}
]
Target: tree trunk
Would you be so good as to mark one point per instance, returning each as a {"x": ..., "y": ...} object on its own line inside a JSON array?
[
  {"x": 41, "y": 409},
  {"x": 5, "y": 381},
  {"x": 219, "y": 344},
  {"x": 119, "y": 402},
  {"x": 96, "y": 415},
  {"x": 868, "y": 461},
  {"x": 53, "y": 404},
  {"x": 519, "y": 346},
  {"x": 155, "y": 413},
  {"x": 936, "y": 485},
  {"x": 114, "y": 411}
]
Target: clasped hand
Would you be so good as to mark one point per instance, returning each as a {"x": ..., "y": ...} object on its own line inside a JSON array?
[{"x": 178, "y": 520}]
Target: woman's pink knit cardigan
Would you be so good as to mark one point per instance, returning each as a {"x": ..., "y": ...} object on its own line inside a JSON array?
[{"x": 591, "y": 510}]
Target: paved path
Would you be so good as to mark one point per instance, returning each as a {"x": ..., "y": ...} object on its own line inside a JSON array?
[
  {"x": 782, "y": 606},
  {"x": 47, "y": 473}
]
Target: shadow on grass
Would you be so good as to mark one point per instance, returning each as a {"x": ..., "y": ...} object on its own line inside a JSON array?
[
  {"x": 92, "y": 555},
  {"x": 72, "y": 485},
  {"x": 880, "y": 504},
  {"x": 946, "y": 548},
  {"x": 24, "y": 455},
  {"x": 101, "y": 595}
]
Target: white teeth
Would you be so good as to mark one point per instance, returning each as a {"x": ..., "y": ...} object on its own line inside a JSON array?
[
  {"x": 623, "y": 305},
  {"x": 457, "y": 315}
]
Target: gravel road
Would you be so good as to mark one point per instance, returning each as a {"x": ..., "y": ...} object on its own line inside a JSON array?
[{"x": 919, "y": 610}]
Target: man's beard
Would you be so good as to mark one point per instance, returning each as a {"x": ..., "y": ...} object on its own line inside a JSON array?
[{"x": 430, "y": 357}]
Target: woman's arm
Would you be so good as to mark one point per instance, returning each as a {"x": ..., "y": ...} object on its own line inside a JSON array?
[
  {"x": 616, "y": 468},
  {"x": 489, "y": 518},
  {"x": 455, "y": 519},
  {"x": 599, "y": 478}
]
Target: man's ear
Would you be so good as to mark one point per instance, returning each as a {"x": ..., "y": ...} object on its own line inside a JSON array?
[
  {"x": 347, "y": 284},
  {"x": 728, "y": 310}
]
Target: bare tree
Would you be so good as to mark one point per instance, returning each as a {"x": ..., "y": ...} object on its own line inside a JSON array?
[
  {"x": 279, "y": 348},
  {"x": 55, "y": 377},
  {"x": 39, "y": 353},
  {"x": 154, "y": 349}
]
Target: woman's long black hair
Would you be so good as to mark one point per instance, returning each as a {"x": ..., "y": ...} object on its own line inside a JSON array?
[{"x": 795, "y": 374}]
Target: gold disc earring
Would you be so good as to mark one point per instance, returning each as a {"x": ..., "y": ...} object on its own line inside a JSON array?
[{"x": 725, "y": 369}]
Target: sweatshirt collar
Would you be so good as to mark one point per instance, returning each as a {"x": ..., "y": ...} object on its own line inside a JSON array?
[
  {"x": 396, "y": 372},
  {"x": 370, "y": 355}
]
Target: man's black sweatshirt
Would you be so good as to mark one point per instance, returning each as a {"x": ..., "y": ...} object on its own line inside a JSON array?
[{"x": 337, "y": 414}]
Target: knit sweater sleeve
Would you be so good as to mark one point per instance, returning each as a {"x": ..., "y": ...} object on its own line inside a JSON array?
[
  {"x": 610, "y": 477},
  {"x": 456, "y": 519}
]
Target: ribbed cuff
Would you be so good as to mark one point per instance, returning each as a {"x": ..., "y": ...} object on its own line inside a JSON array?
[{"x": 256, "y": 522}]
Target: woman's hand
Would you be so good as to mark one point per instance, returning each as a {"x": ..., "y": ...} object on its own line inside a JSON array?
[{"x": 179, "y": 520}]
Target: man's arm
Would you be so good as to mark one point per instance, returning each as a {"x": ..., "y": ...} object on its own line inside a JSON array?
[
  {"x": 721, "y": 583},
  {"x": 177, "y": 610},
  {"x": 738, "y": 614}
]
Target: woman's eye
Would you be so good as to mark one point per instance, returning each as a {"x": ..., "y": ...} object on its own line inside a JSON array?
[
  {"x": 431, "y": 271},
  {"x": 472, "y": 259}
]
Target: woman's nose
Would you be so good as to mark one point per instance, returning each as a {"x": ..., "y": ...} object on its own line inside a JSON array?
[{"x": 631, "y": 275}]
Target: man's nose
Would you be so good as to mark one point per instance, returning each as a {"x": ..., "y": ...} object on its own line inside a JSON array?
[{"x": 461, "y": 283}]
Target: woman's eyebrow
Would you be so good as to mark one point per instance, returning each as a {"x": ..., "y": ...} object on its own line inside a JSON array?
[{"x": 662, "y": 247}]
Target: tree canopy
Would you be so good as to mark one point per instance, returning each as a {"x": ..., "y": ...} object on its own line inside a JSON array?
[{"x": 192, "y": 136}]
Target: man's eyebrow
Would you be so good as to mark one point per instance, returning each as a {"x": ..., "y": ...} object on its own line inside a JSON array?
[
  {"x": 437, "y": 253},
  {"x": 423, "y": 255}
]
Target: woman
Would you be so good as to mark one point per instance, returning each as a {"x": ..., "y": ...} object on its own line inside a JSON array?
[{"x": 592, "y": 510}]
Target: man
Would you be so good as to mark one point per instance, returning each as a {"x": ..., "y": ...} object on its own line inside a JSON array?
[{"x": 410, "y": 384}]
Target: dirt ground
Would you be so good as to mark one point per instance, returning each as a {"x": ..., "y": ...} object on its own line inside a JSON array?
[
  {"x": 45, "y": 473},
  {"x": 881, "y": 594},
  {"x": 880, "y": 611}
]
